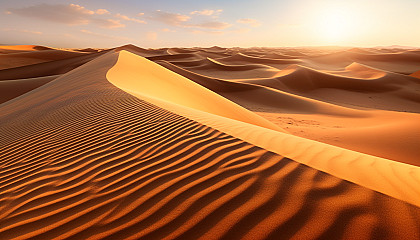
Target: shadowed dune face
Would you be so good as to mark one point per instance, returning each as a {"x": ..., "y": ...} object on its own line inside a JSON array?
[
  {"x": 113, "y": 146},
  {"x": 10, "y": 89},
  {"x": 47, "y": 68},
  {"x": 27, "y": 58}
]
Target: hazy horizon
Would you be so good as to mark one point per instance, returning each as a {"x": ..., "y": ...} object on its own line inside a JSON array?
[{"x": 209, "y": 46}]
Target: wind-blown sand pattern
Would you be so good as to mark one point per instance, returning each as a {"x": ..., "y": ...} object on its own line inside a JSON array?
[{"x": 110, "y": 145}]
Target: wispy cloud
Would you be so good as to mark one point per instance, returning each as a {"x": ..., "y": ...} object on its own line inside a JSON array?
[
  {"x": 101, "y": 11},
  {"x": 126, "y": 18},
  {"x": 207, "y": 12},
  {"x": 220, "y": 32},
  {"x": 173, "y": 19},
  {"x": 70, "y": 14},
  {"x": 22, "y": 31},
  {"x": 100, "y": 35},
  {"x": 213, "y": 32},
  {"x": 249, "y": 21},
  {"x": 108, "y": 23},
  {"x": 211, "y": 25},
  {"x": 167, "y": 30},
  {"x": 180, "y": 20}
]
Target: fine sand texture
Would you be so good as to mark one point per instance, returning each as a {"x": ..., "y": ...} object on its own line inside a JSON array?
[{"x": 209, "y": 143}]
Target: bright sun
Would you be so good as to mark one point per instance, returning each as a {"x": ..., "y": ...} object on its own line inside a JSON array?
[{"x": 336, "y": 24}]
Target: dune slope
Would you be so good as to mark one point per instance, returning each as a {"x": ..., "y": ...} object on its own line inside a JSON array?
[
  {"x": 349, "y": 165},
  {"x": 10, "y": 89},
  {"x": 174, "y": 88}
]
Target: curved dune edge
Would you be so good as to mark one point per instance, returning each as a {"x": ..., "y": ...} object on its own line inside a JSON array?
[
  {"x": 175, "y": 88},
  {"x": 392, "y": 178}
]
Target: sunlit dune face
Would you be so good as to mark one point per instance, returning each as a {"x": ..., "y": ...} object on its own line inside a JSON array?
[{"x": 335, "y": 24}]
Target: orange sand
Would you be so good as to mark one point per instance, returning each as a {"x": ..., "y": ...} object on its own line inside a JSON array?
[{"x": 209, "y": 143}]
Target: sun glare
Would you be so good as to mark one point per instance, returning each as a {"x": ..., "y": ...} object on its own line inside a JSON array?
[{"x": 336, "y": 24}]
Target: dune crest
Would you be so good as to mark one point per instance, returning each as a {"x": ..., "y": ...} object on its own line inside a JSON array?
[{"x": 152, "y": 79}]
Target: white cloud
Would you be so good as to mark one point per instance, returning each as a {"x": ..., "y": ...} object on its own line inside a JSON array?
[
  {"x": 249, "y": 21},
  {"x": 70, "y": 14}
]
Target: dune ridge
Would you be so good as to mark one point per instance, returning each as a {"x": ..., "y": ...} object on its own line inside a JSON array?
[
  {"x": 174, "y": 88},
  {"x": 362, "y": 173}
]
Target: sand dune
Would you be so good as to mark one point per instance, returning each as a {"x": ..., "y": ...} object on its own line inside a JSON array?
[
  {"x": 278, "y": 56},
  {"x": 362, "y": 71},
  {"x": 264, "y": 60},
  {"x": 19, "y": 59},
  {"x": 329, "y": 123},
  {"x": 119, "y": 75},
  {"x": 302, "y": 79},
  {"x": 176, "y": 89},
  {"x": 21, "y": 48},
  {"x": 356, "y": 85},
  {"x": 214, "y": 68},
  {"x": 262, "y": 97},
  {"x": 404, "y": 62},
  {"x": 172, "y": 57},
  {"x": 47, "y": 68},
  {"x": 214, "y": 84},
  {"x": 112, "y": 145}
]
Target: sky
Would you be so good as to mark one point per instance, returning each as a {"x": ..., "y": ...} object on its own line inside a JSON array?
[{"x": 227, "y": 23}]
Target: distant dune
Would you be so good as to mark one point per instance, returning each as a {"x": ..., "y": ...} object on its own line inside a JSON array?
[{"x": 209, "y": 143}]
